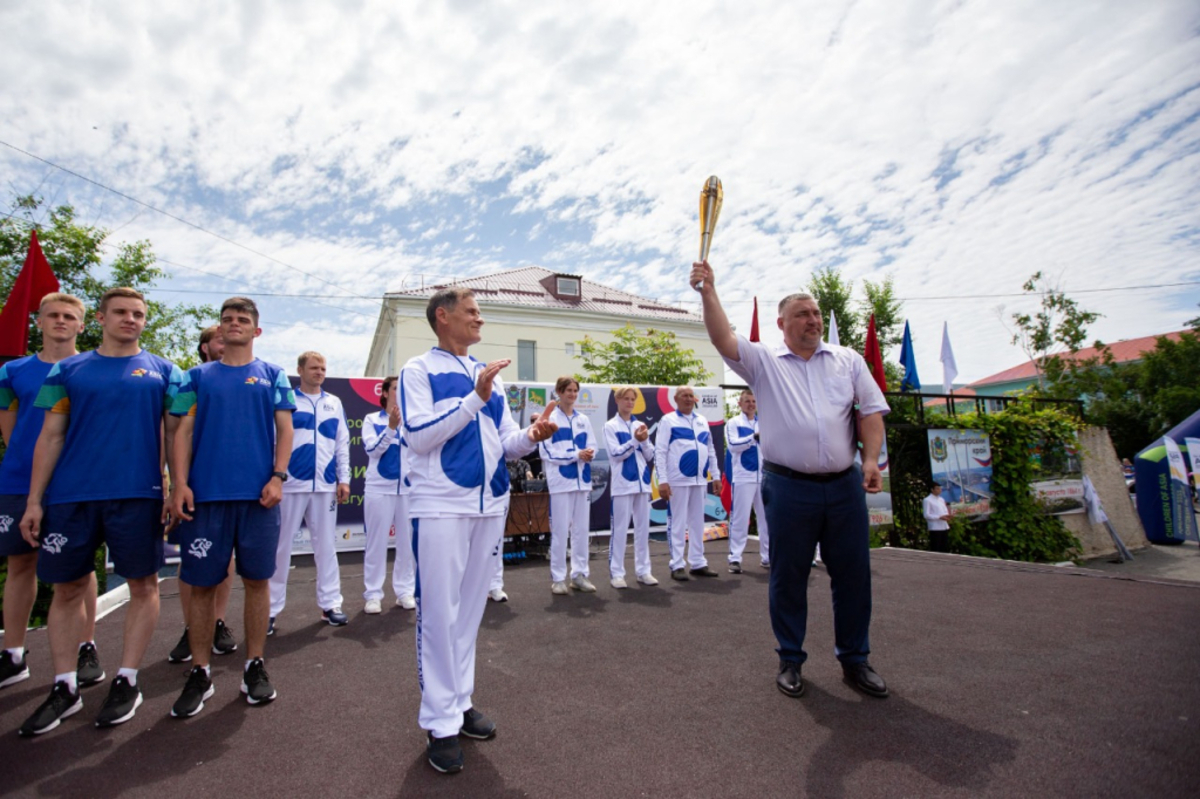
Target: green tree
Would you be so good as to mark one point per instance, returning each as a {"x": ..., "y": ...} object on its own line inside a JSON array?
[
  {"x": 834, "y": 293},
  {"x": 889, "y": 322},
  {"x": 77, "y": 255},
  {"x": 1058, "y": 323},
  {"x": 646, "y": 358}
]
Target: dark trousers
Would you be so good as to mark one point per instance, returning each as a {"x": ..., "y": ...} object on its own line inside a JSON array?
[
  {"x": 939, "y": 540},
  {"x": 802, "y": 513}
]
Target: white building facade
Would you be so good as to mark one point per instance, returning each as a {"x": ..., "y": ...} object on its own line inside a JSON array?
[{"x": 535, "y": 317}]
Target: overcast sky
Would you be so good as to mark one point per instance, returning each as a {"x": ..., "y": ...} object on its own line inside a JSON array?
[{"x": 339, "y": 149}]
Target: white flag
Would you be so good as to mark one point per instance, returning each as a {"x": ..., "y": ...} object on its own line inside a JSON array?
[
  {"x": 833, "y": 334},
  {"x": 949, "y": 367}
]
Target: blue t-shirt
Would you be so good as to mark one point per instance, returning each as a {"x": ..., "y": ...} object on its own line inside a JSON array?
[
  {"x": 233, "y": 441},
  {"x": 114, "y": 436},
  {"x": 20, "y": 382}
]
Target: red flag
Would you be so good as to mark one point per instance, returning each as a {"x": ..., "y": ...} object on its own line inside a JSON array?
[
  {"x": 754, "y": 322},
  {"x": 874, "y": 356},
  {"x": 726, "y": 495},
  {"x": 35, "y": 281}
]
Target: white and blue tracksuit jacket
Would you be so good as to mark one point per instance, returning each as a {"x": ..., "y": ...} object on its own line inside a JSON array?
[
  {"x": 560, "y": 453},
  {"x": 458, "y": 442},
  {"x": 630, "y": 459},
  {"x": 320, "y": 445},
  {"x": 387, "y": 467},
  {"x": 743, "y": 462},
  {"x": 683, "y": 450}
]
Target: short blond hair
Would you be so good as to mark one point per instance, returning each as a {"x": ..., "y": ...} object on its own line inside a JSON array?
[
  {"x": 621, "y": 391},
  {"x": 311, "y": 355},
  {"x": 121, "y": 292},
  {"x": 69, "y": 299}
]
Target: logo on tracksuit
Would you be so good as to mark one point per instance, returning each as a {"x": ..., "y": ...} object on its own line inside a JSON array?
[
  {"x": 54, "y": 543},
  {"x": 5, "y": 523},
  {"x": 199, "y": 548}
]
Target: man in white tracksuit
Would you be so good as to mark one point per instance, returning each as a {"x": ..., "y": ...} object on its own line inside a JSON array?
[
  {"x": 567, "y": 459},
  {"x": 460, "y": 432},
  {"x": 743, "y": 469},
  {"x": 686, "y": 462},
  {"x": 318, "y": 479},
  {"x": 630, "y": 455},
  {"x": 385, "y": 504}
]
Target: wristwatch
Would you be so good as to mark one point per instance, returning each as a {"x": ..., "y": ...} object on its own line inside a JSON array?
[{"x": 281, "y": 475}]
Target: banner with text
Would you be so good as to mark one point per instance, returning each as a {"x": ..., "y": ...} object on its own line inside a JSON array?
[{"x": 961, "y": 461}]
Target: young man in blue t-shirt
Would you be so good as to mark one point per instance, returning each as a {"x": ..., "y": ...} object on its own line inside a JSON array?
[
  {"x": 97, "y": 466},
  {"x": 60, "y": 318},
  {"x": 231, "y": 457}
]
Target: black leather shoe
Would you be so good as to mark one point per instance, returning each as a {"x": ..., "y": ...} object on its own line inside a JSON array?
[
  {"x": 789, "y": 680},
  {"x": 864, "y": 678},
  {"x": 703, "y": 571},
  {"x": 679, "y": 574}
]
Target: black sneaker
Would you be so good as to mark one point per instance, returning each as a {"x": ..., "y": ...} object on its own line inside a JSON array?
[
  {"x": 223, "y": 643},
  {"x": 199, "y": 687},
  {"x": 122, "y": 702},
  {"x": 679, "y": 574},
  {"x": 61, "y": 704},
  {"x": 445, "y": 755},
  {"x": 271, "y": 626},
  {"x": 478, "y": 726},
  {"x": 87, "y": 669},
  {"x": 12, "y": 671},
  {"x": 182, "y": 652},
  {"x": 335, "y": 617},
  {"x": 255, "y": 683},
  {"x": 735, "y": 567}
]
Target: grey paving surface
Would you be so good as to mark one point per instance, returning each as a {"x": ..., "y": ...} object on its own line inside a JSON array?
[{"x": 1007, "y": 680}]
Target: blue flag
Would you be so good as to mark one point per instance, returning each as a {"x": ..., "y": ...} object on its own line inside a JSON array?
[{"x": 908, "y": 359}]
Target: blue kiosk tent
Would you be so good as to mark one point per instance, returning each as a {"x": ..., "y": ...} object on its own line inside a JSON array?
[{"x": 1164, "y": 507}]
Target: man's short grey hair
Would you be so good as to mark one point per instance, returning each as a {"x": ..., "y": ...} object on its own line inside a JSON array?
[
  {"x": 800, "y": 295},
  {"x": 447, "y": 298}
]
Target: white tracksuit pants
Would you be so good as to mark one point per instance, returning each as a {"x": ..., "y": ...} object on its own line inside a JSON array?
[
  {"x": 385, "y": 518},
  {"x": 454, "y": 565},
  {"x": 569, "y": 512},
  {"x": 685, "y": 514},
  {"x": 637, "y": 507},
  {"x": 318, "y": 511},
  {"x": 745, "y": 497}
]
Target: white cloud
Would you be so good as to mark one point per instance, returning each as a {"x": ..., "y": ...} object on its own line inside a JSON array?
[{"x": 958, "y": 147}]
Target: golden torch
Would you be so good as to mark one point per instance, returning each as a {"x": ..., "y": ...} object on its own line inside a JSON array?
[{"x": 711, "y": 197}]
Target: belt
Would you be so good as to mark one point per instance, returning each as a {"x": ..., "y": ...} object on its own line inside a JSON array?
[{"x": 826, "y": 477}]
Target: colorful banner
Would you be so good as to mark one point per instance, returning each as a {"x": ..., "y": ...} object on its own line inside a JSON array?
[
  {"x": 961, "y": 461},
  {"x": 879, "y": 506},
  {"x": 1183, "y": 514},
  {"x": 1192, "y": 445},
  {"x": 1060, "y": 489}
]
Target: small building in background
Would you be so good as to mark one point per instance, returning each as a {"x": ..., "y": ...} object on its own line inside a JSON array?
[{"x": 536, "y": 317}]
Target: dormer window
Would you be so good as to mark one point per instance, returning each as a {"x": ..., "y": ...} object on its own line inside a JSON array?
[{"x": 567, "y": 286}]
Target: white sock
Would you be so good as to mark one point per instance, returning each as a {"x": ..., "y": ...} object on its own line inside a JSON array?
[
  {"x": 69, "y": 679},
  {"x": 17, "y": 653},
  {"x": 207, "y": 670},
  {"x": 129, "y": 674}
]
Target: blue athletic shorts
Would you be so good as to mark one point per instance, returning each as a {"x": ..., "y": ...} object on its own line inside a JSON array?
[
  {"x": 208, "y": 541},
  {"x": 12, "y": 510},
  {"x": 73, "y": 531}
]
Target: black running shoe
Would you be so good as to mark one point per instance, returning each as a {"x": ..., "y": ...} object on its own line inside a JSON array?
[
  {"x": 12, "y": 671},
  {"x": 61, "y": 704},
  {"x": 199, "y": 687},
  {"x": 182, "y": 652},
  {"x": 255, "y": 683},
  {"x": 335, "y": 617},
  {"x": 445, "y": 754},
  {"x": 478, "y": 726},
  {"x": 87, "y": 669},
  {"x": 271, "y": 626},
  {"x": 223, "y": 643},
  {"x": 122, "y": 702}
]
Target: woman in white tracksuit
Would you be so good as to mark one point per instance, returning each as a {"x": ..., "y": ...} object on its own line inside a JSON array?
[
  {"x": 567, "y": 460},
  {"x": 385, "y": 504}
]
